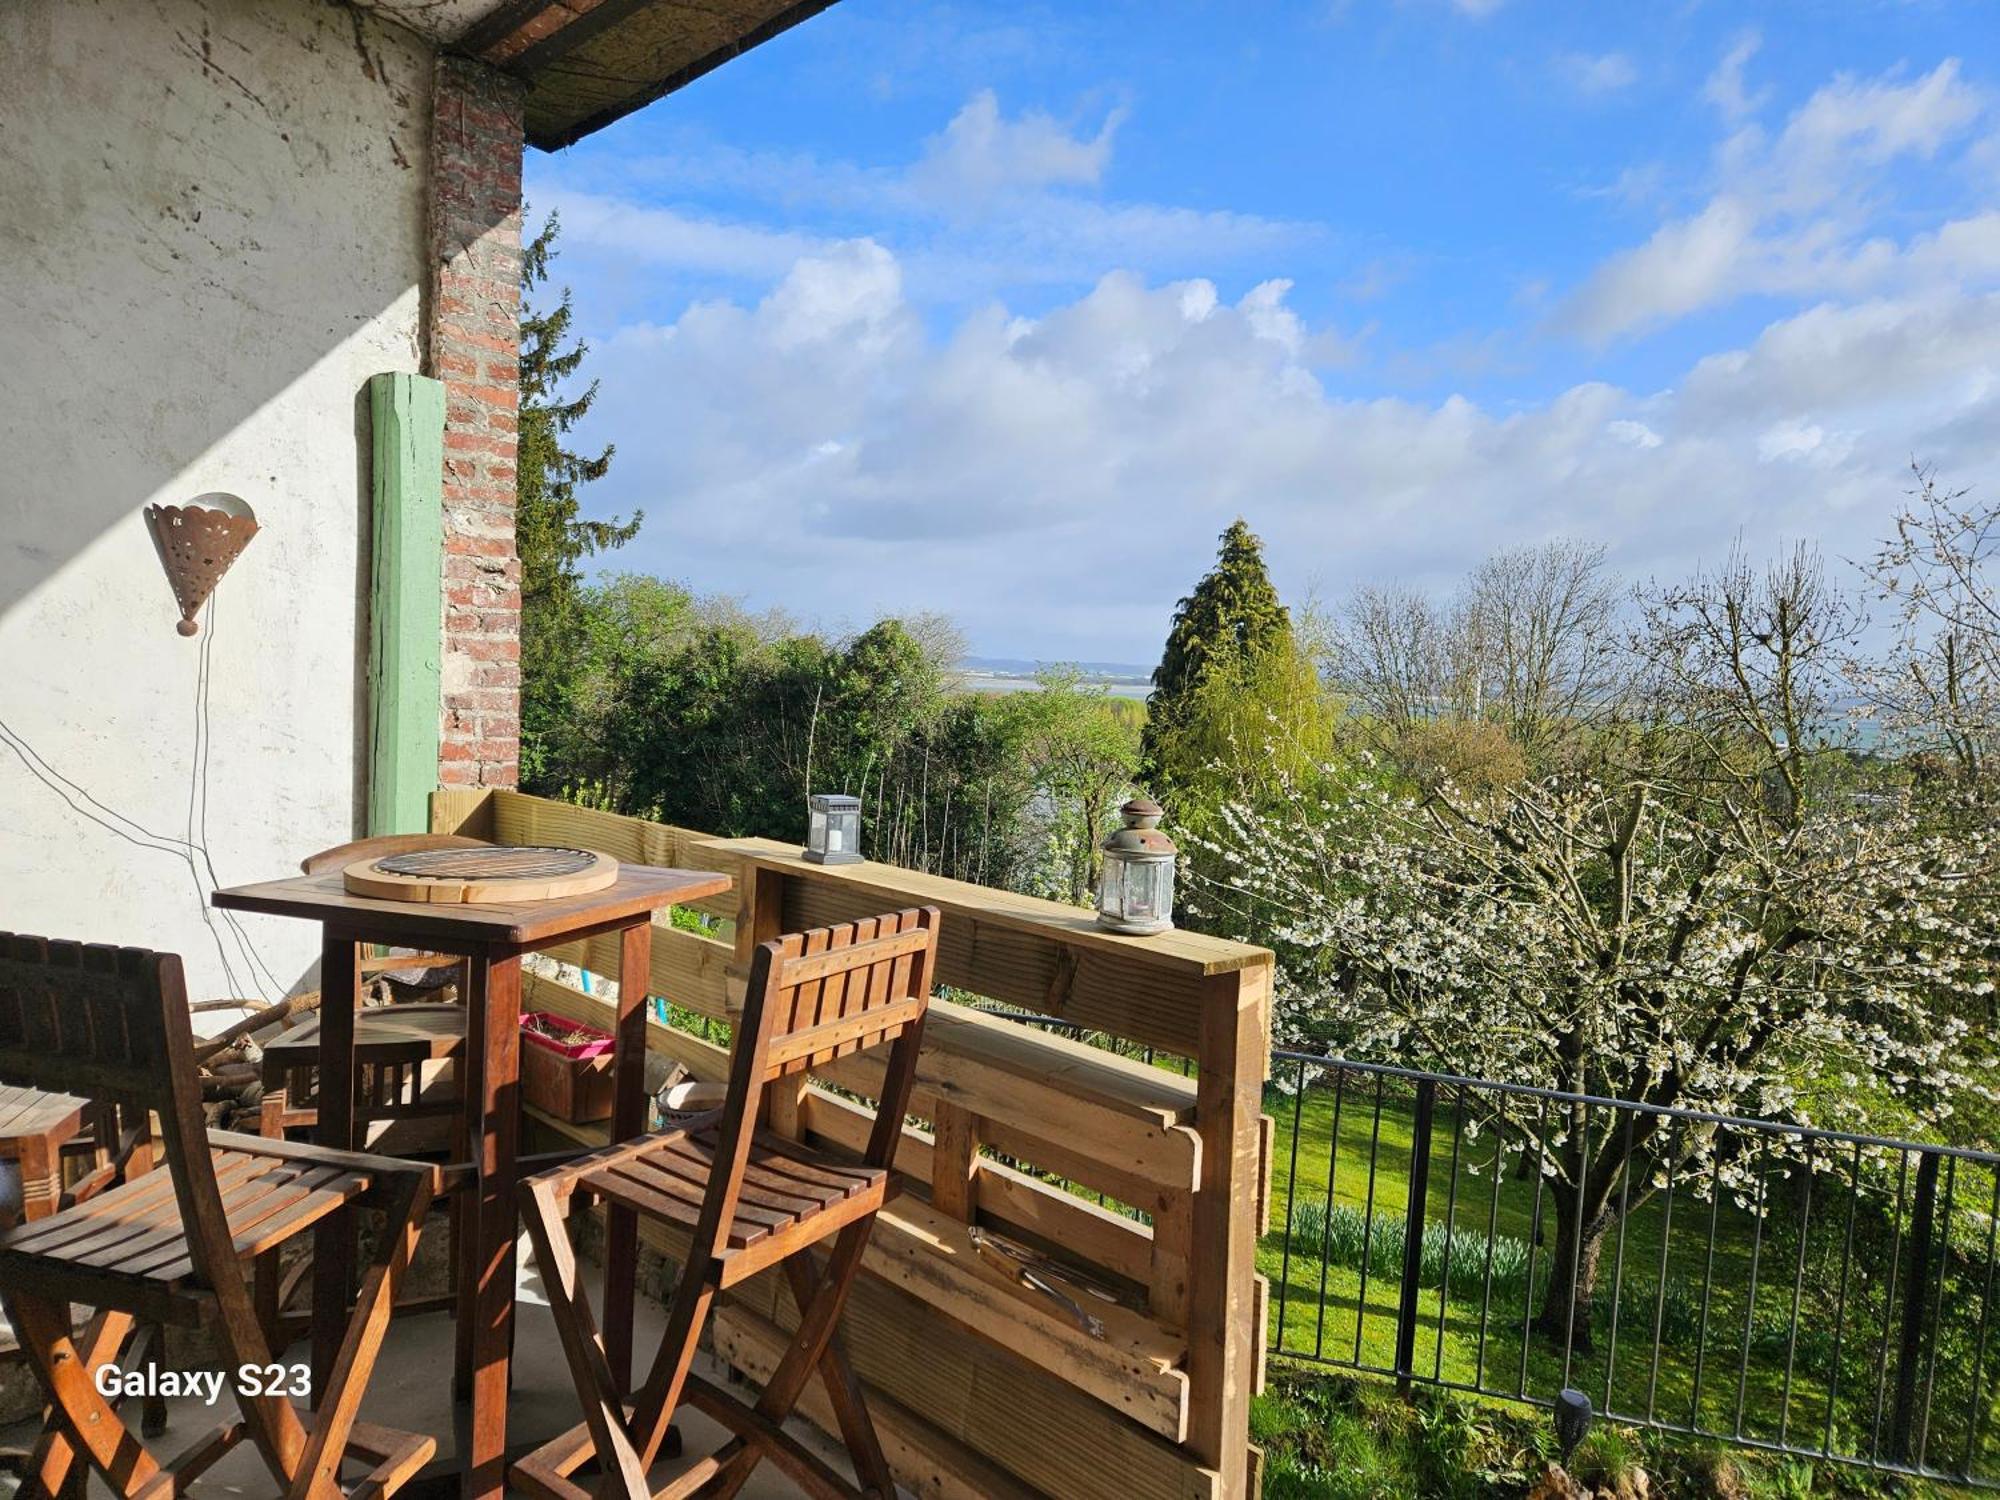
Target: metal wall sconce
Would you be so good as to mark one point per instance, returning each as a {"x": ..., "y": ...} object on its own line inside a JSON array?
[{"x": 197, "y": 542}]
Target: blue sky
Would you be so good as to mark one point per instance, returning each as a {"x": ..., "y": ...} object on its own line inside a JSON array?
[{"x": 1005, "y": 311}]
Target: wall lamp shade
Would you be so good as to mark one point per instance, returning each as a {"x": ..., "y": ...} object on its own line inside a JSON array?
[{"x": 197, "y": 542}]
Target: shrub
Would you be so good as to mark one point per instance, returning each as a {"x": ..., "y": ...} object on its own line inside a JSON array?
[{"x": 1341, "y": 1234}]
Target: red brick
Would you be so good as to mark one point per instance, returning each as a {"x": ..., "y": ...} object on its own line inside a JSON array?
[{"x": 473, "y": 306}]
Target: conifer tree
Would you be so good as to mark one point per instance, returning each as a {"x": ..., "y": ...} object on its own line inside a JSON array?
[
  {"x": 551, "y": 534},
  {"x": 1232, "y": 614}
]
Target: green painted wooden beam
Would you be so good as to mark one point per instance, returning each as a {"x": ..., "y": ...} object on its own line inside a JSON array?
[{"x": 406, "y": 601}]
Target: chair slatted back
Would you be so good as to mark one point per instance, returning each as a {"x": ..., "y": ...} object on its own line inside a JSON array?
[
  {"x": 85, "y": 1019},
  {"x": 814, "y": 996},
  {"x": 837, "y": 990},
  {"x": 111, "y": 1024}
]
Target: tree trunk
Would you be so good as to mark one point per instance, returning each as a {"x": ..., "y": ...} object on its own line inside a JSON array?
[{"x": 1573, "y": 1267}]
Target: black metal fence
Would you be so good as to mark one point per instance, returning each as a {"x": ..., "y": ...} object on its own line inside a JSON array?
[
  {"x": 1813, "y": 1292},
  {"x": 1806, "y": 1291}
]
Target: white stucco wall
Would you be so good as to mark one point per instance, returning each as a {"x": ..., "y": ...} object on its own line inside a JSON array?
[{"x": 211, "y": 235}]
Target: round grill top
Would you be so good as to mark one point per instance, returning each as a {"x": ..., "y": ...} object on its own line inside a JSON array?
[
  {"x": 482, "y": 874},
  {"x": 519, "y": 863}
]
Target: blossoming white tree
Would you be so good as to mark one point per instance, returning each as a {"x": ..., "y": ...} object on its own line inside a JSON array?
[
  {"x": 1706, "y": 909},
  {"x": 1940, "y": 689}
]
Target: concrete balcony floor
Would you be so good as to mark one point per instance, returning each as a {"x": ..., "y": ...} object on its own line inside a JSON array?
[{"x": 412, "y": 1391}]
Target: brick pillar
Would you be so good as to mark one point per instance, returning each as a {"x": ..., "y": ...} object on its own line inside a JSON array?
[{"x": 472, "y": 336}]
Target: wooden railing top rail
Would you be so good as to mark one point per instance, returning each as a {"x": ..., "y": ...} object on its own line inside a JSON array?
[
  {"x": 1192, "y": 953},
  {"x": 1024, "y": 952}
]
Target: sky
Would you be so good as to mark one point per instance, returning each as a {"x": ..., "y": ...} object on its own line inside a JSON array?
[{"x": 1005, "y": 311}]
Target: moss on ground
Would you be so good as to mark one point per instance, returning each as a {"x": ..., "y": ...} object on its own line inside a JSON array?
[{"x": 1333, "y": 1437}]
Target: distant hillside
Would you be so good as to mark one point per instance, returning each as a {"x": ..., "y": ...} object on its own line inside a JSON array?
[{"x": 1014, "y": 666}]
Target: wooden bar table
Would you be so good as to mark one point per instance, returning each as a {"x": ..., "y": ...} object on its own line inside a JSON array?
[{"x": 494, "y": 937}]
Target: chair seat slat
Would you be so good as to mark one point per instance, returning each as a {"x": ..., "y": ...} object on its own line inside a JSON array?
[
  {"x": 129, "y": 1238},
  {"x": 695, "y": 1171},
  {"x": 150, "y": 1192},
  {"x": 809, "y": 1184},
  {"x": 645, "y": 1169},
  {"x": 647, "y": 1197}
]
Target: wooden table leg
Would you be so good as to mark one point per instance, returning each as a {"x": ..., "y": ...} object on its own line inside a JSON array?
[
  {"x": 39, "y": 1161},
  {"x": 465, "y": 1202},
  {"x": 628, "y": 1119},
  {"x": 333, "y": 1239},
  {"x": 493, "y": 1032}
]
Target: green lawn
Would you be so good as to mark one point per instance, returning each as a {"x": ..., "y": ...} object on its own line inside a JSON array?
[{"x": 1319, "y": 1309}]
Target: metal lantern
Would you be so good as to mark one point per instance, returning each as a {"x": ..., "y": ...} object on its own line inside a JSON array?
[
  {"x": 1136, "y": 893},
  {"x": 1572, "y": 1414},
  {"x": 833, "y": 829}
]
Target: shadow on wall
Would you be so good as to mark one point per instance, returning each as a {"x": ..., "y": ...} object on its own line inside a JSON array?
[{"x": 215, "y": 233}]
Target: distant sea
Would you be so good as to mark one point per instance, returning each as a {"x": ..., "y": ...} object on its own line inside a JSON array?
[{"x": 1007, "y": 674}]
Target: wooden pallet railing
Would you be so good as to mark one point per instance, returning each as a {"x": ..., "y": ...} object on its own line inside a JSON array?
[{"x": 1160, "y": 1406}]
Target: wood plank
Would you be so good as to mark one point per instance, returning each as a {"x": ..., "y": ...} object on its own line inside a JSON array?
[
  {"x": 1030, "y": 1052},
  {"x": 1008, "y": 1200},
  {"x": 521, "y": 819},
  {"x": 466, "y": 811},
  {"x": 1046, "y": 1433},
  {"x": 1188, "y": 953},
  {"x": 1061, "y": 1112},
  {"x": 955, "y": 1163},
  {"x": 406, "y": 598},
  {"x": 1042, "y": 968},
  {"x": 830, "y": 1036},
  {"x": 686, "y": 968},
  {"x": 1133, "y": 1370},
  {"x": 926, "y": 1462},
  {"x": 1223, "y": 1336},
  {"x": 865, "y": 949},
  {"x": 523, "y": 926},
  {"x": 1168, "y": 1276}
]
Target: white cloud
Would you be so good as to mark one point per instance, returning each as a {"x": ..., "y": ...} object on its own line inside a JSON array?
[
  {"x": 1794, "y": 214},
  {"x": 982, "y": 154},
  {"x": 993, "y": 200},
  {"x": 1594, "y": 74},
  {"x": 1872, "y": 123},
  {"x": 668, "y": 239},
  {"x": 1726, "y": 89},
  {"x": 820, "y": 450},
  {"x": 855, "y": 289},
  {"x": 1801, "y": 441}
]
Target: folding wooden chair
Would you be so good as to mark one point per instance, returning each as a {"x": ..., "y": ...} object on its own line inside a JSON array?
[
  {"x": 750, "y": 1200},
  {"x": 112, "y": 1024}
]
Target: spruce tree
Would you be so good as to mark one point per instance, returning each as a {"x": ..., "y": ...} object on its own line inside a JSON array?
[
  {"x": 549, "y": 531},
  {"x": 1233, "y": 613}
]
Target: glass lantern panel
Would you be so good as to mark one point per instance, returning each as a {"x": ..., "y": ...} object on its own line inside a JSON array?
[
  {"x": 816, "y": 832},
  {"x": 1111, "y": 889},
  {"x": 1163, "y": 890},
  {"x": 843, "y": 832},
  {"x": 1139, "y": 891}
]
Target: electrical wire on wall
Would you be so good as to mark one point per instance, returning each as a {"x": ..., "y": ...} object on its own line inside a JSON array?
[{"x": 191, "y": 850}]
